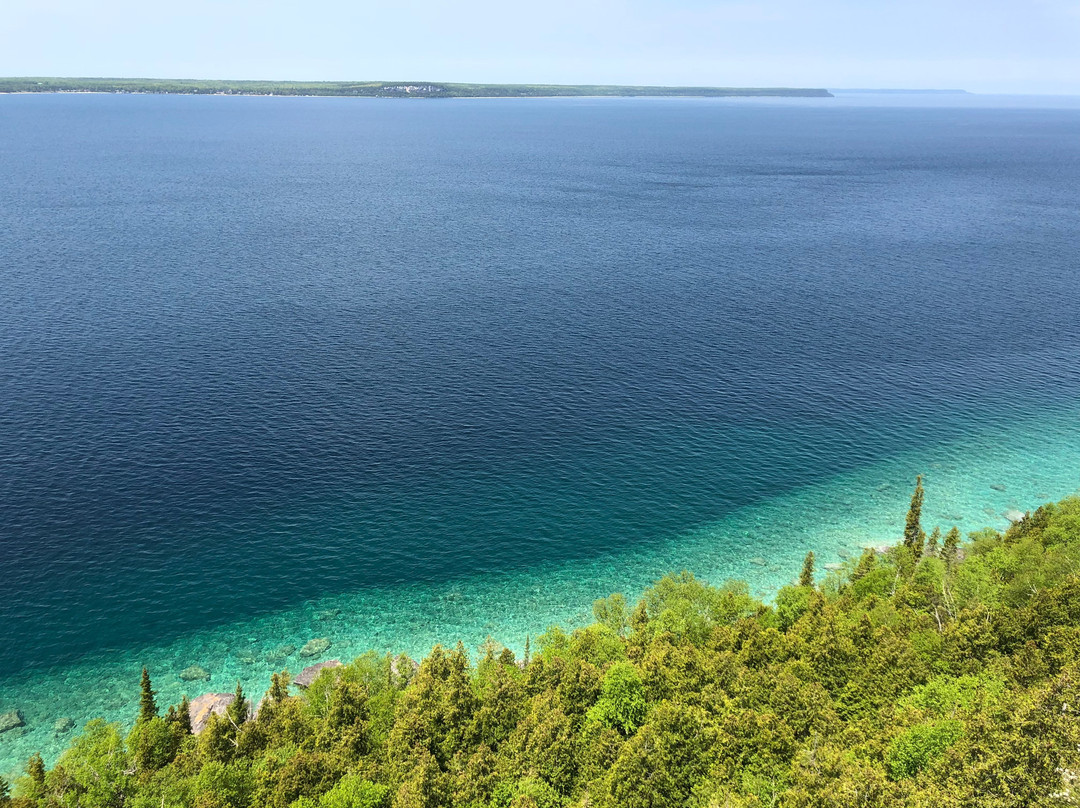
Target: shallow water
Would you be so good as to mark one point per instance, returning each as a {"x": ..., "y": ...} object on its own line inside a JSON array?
[{"x": 459, "y": 369}]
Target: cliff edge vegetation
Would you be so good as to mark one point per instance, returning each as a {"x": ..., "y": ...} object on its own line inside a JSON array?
[{"x": 939, "y": 672}]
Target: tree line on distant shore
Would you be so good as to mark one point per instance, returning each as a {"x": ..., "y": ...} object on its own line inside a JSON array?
[
  {"x": 377, "y": 89},
  {"x": 939, "y": 672}
]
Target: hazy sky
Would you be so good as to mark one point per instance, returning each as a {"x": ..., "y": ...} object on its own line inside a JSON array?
[{"x": 980, "y": 45}]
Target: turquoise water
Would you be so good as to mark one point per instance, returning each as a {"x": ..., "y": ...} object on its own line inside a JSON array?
[
  {"x": 395, "y": 374},
  {"x": 1034, "y": 460}
]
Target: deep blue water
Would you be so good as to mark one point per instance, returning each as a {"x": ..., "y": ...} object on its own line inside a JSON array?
[{"x": 255, "y": 351}]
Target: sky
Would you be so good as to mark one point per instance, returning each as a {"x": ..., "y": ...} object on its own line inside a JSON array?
[{"x": 992, "y": 46}]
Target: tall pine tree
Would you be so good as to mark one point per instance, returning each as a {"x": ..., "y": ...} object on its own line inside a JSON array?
[
  {"x": 35, "y": 768},
  {"x": 806, "y": 577},
  {"x": 147, "y": 705},
  {"x": 183, "y": 715},
  {"x": 279, "y": 686},
  {"x": 934, "y": 542},
  {"x": 238, "y": 710},
  {"x": 952, "y": 544},
  {"x": 913, "y": 535}
]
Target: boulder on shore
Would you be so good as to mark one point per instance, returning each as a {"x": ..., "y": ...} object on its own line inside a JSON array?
[
  {"x": 833, "y": 567},
  {"x": 315, "y": 647},
  {"x": 11, "y": 720},
  {"x": 1014, "y": 515},
  {"x": 311, "y": 672},
  {"x": 200, "y": 710},
  {"x": 195, "y": 673}
]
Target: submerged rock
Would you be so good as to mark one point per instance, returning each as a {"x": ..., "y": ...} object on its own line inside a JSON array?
[
  {"x": 997, "y": 486},
  {"x": 11, "y": 720},
  {"x": 1014, "y": 515},
  {"x": 311, "y": 672},
  {"x": 327, "y": 614},
  {"x": 63, "y": 725},
  {"x": 247, "y": 657},
  {"x": 280, "y": 653},
  {"x": 761, "y": 562},
  {"x": 315, "y": 647},
  {"x": 200, "y": 710},
  {"x": 195, "y": 673}
]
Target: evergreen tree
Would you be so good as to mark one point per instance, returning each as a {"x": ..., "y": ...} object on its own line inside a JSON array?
[
  {"x": 5, "y": 793},
  {"x": 35, "y": 768},
  {"x": 238, "y": 710},
  {"x": 183, "y": 715},
  {"x": 952, "y": 544},
  {"x": 806, "y": 577},
  {"x": 934, "y": 542},
  {"x": 867, "y": 562},
  {"x": 147, "y": 705},
  {"x": 279, "y": 686},
  {"x": 912, "y": 529}
]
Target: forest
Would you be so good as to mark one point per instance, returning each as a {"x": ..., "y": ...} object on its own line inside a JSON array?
[{"x": 942, "y": 671}]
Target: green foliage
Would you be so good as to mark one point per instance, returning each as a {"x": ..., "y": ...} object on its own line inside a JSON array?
[
  {"x": 611, "y": 612},
  {"x": 153, "y": 743},
  {"x": 353, "y": 791},
  {"x": 946, "y": 695},
  {"x": 526, "y": 793},
  {"x": 916, "y": 676},
  {"x": 806, "y": 577},
  {"x": 933, "y": 544},
  {"x": 791, "y": 603},
  {"x": 95, "y": 771},
  {"x": 237, "y": 711},
  {"x": 913, "y": 534},
  {"x": 147, "y": 705},
  {"x": 622, "y": 704},
  {"x": 688, "y": 608},
  {"x": 917, "y": 747},
  {"x": 951, "y": 545},
  {"x": 183, "y": 716}
]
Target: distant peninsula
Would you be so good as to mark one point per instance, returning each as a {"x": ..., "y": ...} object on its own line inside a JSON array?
[
  {"x": 382, "y": 89},
  {"x": 892, "y": 91}
]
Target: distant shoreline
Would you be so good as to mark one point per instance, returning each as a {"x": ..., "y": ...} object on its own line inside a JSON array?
[{"x": 374, "y": 89}]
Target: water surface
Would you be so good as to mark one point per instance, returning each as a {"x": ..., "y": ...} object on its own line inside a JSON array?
[{"x": 457, "y": 368}]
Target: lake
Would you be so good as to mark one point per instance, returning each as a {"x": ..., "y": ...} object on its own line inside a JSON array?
[{"x": 403, "y": 372}]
